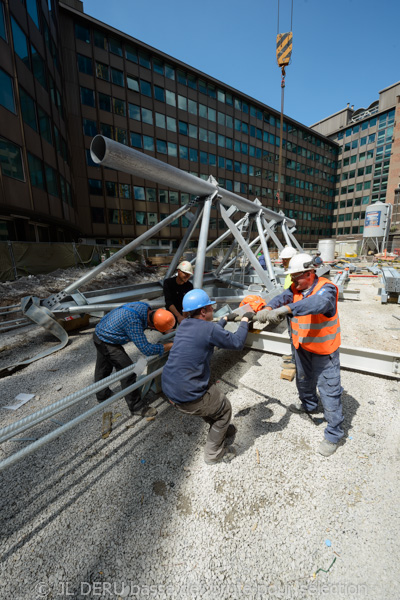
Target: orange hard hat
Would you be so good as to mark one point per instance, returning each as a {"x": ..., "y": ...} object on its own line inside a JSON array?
[
  {"x": 163, "y": 320},
  {"x": 255, "y": 302}
]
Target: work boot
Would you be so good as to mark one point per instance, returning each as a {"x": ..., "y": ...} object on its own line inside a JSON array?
[
  {"x": 227, "y": 456},
  {"x": 288, "y": 365},
  {"x": 326, "y": 448},
  {"x": 143, "y": 411},
  {"x": 287, "y": 357},
  {"x": 299, "y": 409}
]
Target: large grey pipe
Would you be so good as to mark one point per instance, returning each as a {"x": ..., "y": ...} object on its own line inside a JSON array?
[{"x": 114, "y": 155}]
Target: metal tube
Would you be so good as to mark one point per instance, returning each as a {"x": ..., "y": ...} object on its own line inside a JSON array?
[
  {"x": 126, "y": 249},
  {"x": 295, "y": 242},
  {"x": 202, "y": 245},
  {"x": 265, "y": 249},
  {"x": 112, "y": 154},
  {"x": 285, "y": 233},
  {"x": 253, "y": 260},
  {"x": 221, "y": 238},
  {"x": 272, "y": 234},
  {"x": 227, "y": 255},
  {"x": 185, "y": 240},
  {"x": 60, "y": 430}
]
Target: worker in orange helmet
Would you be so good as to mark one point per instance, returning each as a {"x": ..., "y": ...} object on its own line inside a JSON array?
[{"x": 125, "y": 324}]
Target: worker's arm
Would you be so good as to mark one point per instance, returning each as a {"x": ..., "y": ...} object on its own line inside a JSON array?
[
  {"x": 321, "y": 303},
  {"x": 167, "y": 346},
  {"x": 223, "y": 338},
  {"x": 285, "y": 298},
  {"x": 172, "y": 308},
  {"x": 136, "y": 335}
]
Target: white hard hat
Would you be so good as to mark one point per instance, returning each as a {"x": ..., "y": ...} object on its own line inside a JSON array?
[
  {"x": 288, "y": 252},
  {"x": 185, "y": 267},
  {"x": 300, "y": 262}
]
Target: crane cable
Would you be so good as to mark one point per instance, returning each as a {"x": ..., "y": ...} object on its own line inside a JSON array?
[{"x": 283, "y": 55}]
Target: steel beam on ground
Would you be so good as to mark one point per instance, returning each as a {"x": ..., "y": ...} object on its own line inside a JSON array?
[{"x": 366, "y": 360}]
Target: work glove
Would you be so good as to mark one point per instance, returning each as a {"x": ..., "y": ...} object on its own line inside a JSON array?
[
  {"x": 231, "y": 316},
  {"x": 249, "y": 315},
  {"x": 272, "y": 316}
]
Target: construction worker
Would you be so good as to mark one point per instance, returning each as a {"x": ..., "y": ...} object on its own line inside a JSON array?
[
  {"x": 286, "y": 254},
  {"x": 176, "y": 287},
  {"x": 318, "y": 262},
  {"x": 186, "y": 376},
  {"x": 261, "y": 260},
  {"x": 312, "y": 302},
  {"x": 120, "y": 326}
]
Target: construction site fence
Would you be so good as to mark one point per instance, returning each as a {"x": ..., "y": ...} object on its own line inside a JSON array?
[{"x": 19, "y": 259}]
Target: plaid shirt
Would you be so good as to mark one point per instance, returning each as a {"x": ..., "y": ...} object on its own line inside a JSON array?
[{"x": 127, "y": 324}]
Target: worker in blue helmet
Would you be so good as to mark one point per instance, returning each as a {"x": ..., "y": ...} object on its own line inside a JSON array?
[{"x": 186, "y": 375}]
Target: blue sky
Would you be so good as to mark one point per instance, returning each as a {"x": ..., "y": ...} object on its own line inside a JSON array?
[{"x": 343, "y": 50}]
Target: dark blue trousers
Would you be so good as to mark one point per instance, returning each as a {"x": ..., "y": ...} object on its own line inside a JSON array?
[{"x": 323, "y": 372}]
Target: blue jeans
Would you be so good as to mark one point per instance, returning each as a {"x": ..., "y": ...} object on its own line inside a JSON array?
[{"x": 322, "y": 371}]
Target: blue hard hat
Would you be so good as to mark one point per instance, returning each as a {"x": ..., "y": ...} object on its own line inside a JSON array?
[{"x": 195, "y": 299}]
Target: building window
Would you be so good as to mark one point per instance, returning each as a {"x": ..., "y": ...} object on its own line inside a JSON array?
[
  {"x": 85, "y": 64},
  {"x": 161, "y": 146},
  {"x": 6, "y": 91},
  {"x": 159, "y": 93},
  {"x": 100, "y": 40},
  {"x": 119, "y": 107},
  {"x": 45, "y": 126},
  {"x": 140, "y": 217},
  {"x": 11, "y": 160},
  {"x": 132, "y": 83},
  {"x": 82, "y": 33},
  {"x": 104, "y": 102},
  {"x": 102, "y": 71},
  {"x": 52, "y": 181},
  {"x": 28, "y": 109},
  {"x": 145, "y": 88},
  {"x": 172, "y": 149},
  {"x": 95, "y": 187},
  {"x": 182, "y": 102},
  {"x": 106, "y": 130},
  {"x": 117, "y": 77},
  {"x": 111, "y": 189},
  {"x": 20, "y": 42},
  {"x": 136, "y": 140},
  {"x": 38, "y": 67},
  {"x": 147, "y": 116},
  {"x": 160, "y": 120},
  {"x": 36, "y": 171},
  {"x": 171, "y": 124},
  {"x": 87, "y": 96},
  {"x": 134, "y": 111},
  {"x": 114, "y": 216},
  {"x": 89, "y": 127},
  {"x": 115, "y": 47},
  {"x": 170, "y": 98},
  {"x": 2, "y": 23},
  {"x": 148, "y": 143},
  {"x": 138, "y": 192}
]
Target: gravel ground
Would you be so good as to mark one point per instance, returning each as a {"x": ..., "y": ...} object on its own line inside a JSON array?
[{"x": 139, "y": 514}]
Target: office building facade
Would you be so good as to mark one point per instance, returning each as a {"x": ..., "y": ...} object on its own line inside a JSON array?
[
  {"x": 368, "y": 167},
  {"x": 96, "y": 79}
]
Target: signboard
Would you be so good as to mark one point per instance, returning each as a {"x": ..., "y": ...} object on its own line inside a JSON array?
[{"x": 372, "y": 219}]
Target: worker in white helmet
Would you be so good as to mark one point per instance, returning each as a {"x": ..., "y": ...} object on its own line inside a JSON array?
[
  {"x": 286, "y": 254},
  {"x": 312, "y": 302},
  {"x": 176, "y": 287}
]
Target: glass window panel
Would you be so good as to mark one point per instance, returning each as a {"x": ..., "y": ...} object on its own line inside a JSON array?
[
  {"x": 193, "y": 131},
  {"x": 119, "y": 107},
  {"x": 144, "y": 59},
  {"x": 111, "y": 189},
  {"x": 183, "y": 128},
  {"x": 114, "y": 216},
  {"x": 212, "y": 160},
  {"x": 371, "y": 138},
  {"x": 106, "y": 130},
  {"x": 192, "y": 82},
  {"x": 193, "y": 155},
  {"x": 124, "y": 190},
  {"x": 212, "y": 137},
  {"x": 138, "y": 192},
  {"x": 140, "y": 218},
  {"x": 181, "y": 76},
  {"x": 136, "y": 140},
  {"x": 82, "y": 33},
  {"x": 134, "y": 111},
  {"x": 212, "y": 92},
  {"x": 100, "y": 40},
  {"x": 183, "y": 152},
  {"x": 2, "y": 23},
  {"x": 171, "y": 124},
  {"x": 117, "y": 77},
  {"x": 126, "y": 217},
  {"x": 203, "y": 111},
  {"x": 160, "y": 120},
  {"x": 45, "y": 126},
  {"x": 38, "y": 67},
  {"x": 172, "y": 149},
  {"x": 212, "y": 114},
  {"x": 158, "y": 66},
  {"x": 145, "y": 88},
  {"x": 33, "y": 11},
  {"x": 221, "y": 140},
  {"x": 147, "y": 116},
  {"x": 120, "y": 135},
  {"x": 229, "y": 121},
  {"x": 203, "y": 158},
  {"x": 6, "y": 92},
  {"x": 131, "y": 54},
  {"x": 115, "y": 47},
  {"x": 95, "y": 187},
  {"x": 152, "y": 219},
  {"x": 203, "y": 134},
  {"x": 36, "y": 171},
  {"x": 151, "y": 195},
  {"x": 89, "y": 127},
  {"x": 202, "y": 86},
  {"x": 159, "y": 93},
  {"x": 132, "y": 83},
  {"x": 87, "y": 96},
  {"x": 229, "y": 145},
  {"x": 192, "y": 107},
  {"x": 182, "y": 102},
  {"x": 161, "y": 146},
  {"x": 170, "y": 98},
  {"x": 85, "y": 64},
  {"x": 169, "y": 72},
  {"x": 52, "y": 181},
  {"x": 28, "y": 109},
  {"x": 148, "y": 143},
  {"x": 102, "y": 71},
  {"x": 20, "y": 42}
]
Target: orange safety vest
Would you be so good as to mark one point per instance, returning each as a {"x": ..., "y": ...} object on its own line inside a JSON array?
[{"x": 316, "y": 333}]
